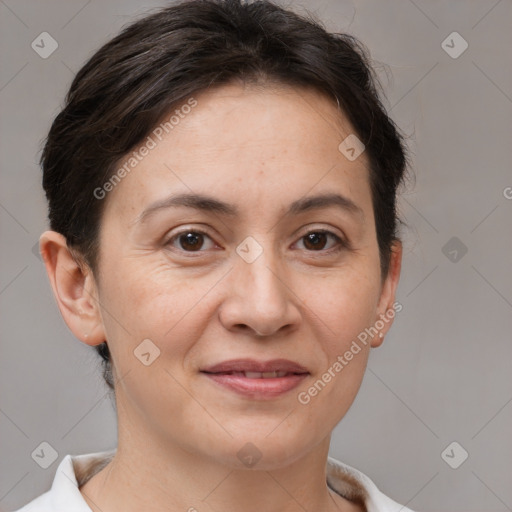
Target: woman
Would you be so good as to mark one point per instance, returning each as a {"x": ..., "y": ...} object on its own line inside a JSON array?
[{"x": 222, "y": 186}]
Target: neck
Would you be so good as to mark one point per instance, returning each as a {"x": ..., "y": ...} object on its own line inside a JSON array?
[{"x": 150, "y": 474}]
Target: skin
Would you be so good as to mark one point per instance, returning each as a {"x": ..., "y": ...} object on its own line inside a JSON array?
[{"x": 260, "y": 149}]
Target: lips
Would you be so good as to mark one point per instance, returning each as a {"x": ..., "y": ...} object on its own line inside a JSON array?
[
  {"x": 257, "y": 380},
  {"x": 258, "y": 375},
  {"x": 253, "y": 369}
]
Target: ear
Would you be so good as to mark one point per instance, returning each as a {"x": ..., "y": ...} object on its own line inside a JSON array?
[
  {"x": 387, "y": 297},
  {"x": 74, "y": 288}
]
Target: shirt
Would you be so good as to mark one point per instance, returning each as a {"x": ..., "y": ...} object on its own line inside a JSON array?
[{"x": 64, "y": 495}]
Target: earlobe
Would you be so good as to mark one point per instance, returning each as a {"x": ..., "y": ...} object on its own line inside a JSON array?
[
  {"x": 74, "y": 288},
  {"x": 386, "y": 309}
]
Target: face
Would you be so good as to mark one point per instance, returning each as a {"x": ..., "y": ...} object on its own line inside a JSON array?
[{"x": 257, "y": 273}]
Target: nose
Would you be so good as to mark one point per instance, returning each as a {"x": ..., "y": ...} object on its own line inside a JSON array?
[{"x": 260, "y": 299}]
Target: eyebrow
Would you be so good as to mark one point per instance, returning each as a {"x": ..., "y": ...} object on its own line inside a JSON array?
[{"x": 210, "y": 204}]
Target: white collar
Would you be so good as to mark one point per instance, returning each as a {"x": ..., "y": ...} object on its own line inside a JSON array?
[{"x": 64, "y": 495}]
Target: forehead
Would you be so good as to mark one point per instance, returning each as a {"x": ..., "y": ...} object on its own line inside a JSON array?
[{"x": 247, "y": 144}]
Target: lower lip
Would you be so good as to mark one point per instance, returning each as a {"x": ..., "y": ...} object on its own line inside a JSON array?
[{"x": 257, "y": 388}]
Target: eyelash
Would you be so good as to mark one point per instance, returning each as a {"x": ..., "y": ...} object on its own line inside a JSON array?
[{"x": 341, "y": 243}]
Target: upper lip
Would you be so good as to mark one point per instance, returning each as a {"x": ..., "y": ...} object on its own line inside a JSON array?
[{"x": 252, "y": 365}]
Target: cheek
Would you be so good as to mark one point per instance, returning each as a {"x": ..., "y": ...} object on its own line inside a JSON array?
[
  {"x": 326, "y": 401},
  {"x": 342, "y": 304},
  {"x": 152, "y": 321},
  {"x": 341, "y": 313},
  {"x": 149, "y": 299},
  {"x": 141, "y": 304},
  {"x": 342, "y": 307}
]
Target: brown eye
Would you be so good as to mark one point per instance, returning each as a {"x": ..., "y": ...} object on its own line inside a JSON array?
[
  {"x": 189, "y": 241},
  {"x": 317, "y": 240}
]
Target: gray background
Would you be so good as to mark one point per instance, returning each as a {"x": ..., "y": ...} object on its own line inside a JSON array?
[{"x": 444, "y": 372}]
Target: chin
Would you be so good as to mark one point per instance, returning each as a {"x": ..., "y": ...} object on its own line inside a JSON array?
[{"x": 265, "y": 450}]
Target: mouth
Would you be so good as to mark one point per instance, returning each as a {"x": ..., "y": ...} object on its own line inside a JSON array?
[
  {"x": 256, "y": 379},
  {"x": 257, "y": 375},
  {"x": 255, "y": 369}
]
